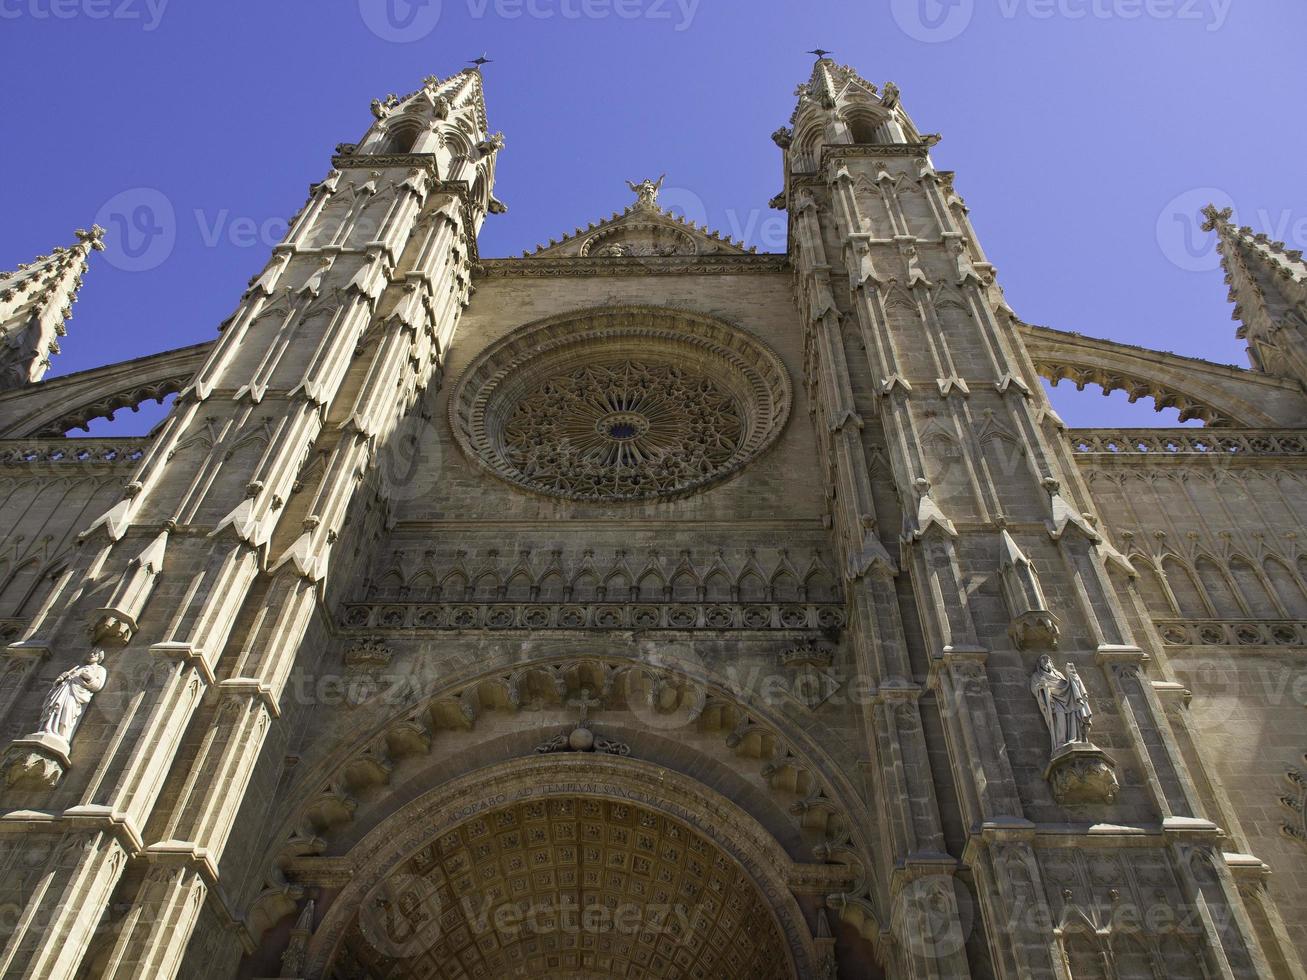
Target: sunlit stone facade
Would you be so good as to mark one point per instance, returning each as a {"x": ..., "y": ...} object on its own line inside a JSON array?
[{"x": 649, "y": 607}]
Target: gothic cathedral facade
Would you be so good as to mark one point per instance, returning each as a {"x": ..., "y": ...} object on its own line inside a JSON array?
[{"x": 649, "y": 607}]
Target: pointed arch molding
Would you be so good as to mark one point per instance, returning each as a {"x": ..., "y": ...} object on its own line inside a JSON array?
[
  {"x": 1218, "y": 394},
  {"x": 387, "y": 847},
  {"x": 52, "y": 408},
  {"x": 772, "y": 764}
]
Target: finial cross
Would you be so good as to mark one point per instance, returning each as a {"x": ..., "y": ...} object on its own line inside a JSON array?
[{"x": 584, "y": 702}]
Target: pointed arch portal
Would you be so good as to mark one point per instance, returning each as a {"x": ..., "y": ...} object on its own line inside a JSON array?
[{"x": 565, "y": 867}]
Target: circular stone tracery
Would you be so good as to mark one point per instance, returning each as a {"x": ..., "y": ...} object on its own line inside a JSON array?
[
  {"x": 626, "y": 429},
  {"x": 626, "y": 404}
]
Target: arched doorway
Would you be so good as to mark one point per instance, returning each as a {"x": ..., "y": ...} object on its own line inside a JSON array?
[{"x": 565, "y": 868}]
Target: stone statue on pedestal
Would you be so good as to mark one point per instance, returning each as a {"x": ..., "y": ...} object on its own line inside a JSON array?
[
  {"x": 39, "y": 761},
  {"x": 646, "y": 192},
  {"x": 1063, "y": 701},
  {"x": 71, "y": 693},
  {"x": 1078, "y": 771}
]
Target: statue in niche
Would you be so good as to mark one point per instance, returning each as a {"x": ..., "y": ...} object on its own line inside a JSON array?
[
  {"x": 1063, "y": 701},
  {"x": 71, "y": 693},
  {"x": 646, "y": 192}
]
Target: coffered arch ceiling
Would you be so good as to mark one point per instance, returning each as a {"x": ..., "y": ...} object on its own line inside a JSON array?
[{"x": 561, "y": 885}]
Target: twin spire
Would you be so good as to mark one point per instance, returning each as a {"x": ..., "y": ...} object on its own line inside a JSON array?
[
  {"x": 36, "y": 303},
  {"x": 1268, "y": 280},
  {"x": 1268, "y": 285}
]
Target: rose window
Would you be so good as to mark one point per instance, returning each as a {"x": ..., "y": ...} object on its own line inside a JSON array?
[
  {"x": 626, "y": 429},
  {"x": 620, "y": 405}
]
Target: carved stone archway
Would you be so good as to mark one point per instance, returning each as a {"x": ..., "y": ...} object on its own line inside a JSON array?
[{"x": 674, "y": 878}]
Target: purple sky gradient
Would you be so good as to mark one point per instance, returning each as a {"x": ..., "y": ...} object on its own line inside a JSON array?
[{"x": 1085, "y": 135}]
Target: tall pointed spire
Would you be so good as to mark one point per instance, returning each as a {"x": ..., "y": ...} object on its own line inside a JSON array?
[
  {"x": 35, "y": 304},
  {"x": 1268, "y": 285}
]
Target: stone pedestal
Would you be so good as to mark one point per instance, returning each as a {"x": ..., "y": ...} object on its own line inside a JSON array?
[
  {"x": 38, "y": 761},
  {"x": 1082, "y": 773}
]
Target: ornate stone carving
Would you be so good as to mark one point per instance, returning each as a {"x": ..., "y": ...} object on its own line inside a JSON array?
[
  {"x": 293, "y": 960},
  {"x": 1237, "y": 633},
  {"x": 553, "y": 268},
  {"x": 661, "y": 404},
  {"x": 594, "y": 615},
  {"x": 646, "y": 191},
  {"x": 367, "y": 654},
  {"x": 1296, "y": 804},
  {"x": 811, "y": 680},
  {"x": 64, "y": 452},
  {"x": 1168, "y": 444},
  {"x": 625, "y": 430},
  {"x": 639, "y": 887},
  {"x": 1080, "y": 774},
  {"x": 582, "y": 738},
  {"x": 35, "y": 763}
]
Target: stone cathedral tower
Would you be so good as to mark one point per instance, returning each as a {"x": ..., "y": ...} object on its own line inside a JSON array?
[{"x": 648, "y": 607}]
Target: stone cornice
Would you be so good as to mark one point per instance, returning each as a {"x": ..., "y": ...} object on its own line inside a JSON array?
[
  {"x": 381, "y": 161},
  {"x": 716, "y": 265},
  {"x": 1220, "y": 447},
  {"x": 834, "y": 151},
  {"x": 384, "y": 615},
  {"x": 61, "y": 452}
]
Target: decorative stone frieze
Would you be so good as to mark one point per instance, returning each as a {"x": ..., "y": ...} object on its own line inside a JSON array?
[
  {"x": 592, "y": 616},
  {"x": 1248, "y": 633},
  {"x": 64, "y": 452}
]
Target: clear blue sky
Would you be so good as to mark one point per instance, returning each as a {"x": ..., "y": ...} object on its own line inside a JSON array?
[{"x": 1084, "y": 133}]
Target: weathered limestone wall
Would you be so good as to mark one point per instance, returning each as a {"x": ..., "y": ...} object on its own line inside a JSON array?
[
  {"x": 44, "y": 503},
  {"x": 1215, "y": 539}
]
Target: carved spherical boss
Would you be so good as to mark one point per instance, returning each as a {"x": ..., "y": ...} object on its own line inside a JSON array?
[{"x": 620, "y": 404}]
